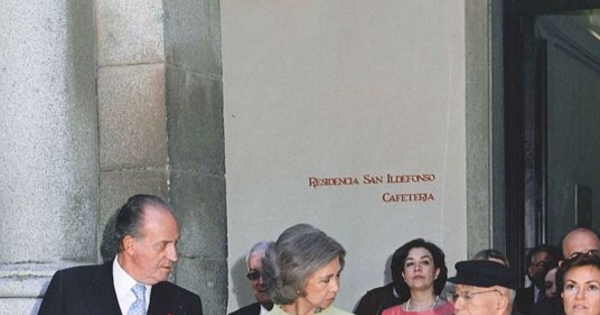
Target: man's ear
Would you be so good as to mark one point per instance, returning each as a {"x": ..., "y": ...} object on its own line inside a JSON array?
[
  {"x": 128, "y": 244},
  {"x": 502, "y": 302}
]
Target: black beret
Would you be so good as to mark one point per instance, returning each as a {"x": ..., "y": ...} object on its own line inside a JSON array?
[{"x": 484, "y": 273}]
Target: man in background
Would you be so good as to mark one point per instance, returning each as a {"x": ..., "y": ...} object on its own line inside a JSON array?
[
  {"x": 263, "y": 303},
  {"x": 536, "y": 259},
  {"x": 580, "y": 241}
]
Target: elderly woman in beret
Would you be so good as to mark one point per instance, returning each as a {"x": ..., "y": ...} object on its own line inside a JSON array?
[
  {"x": 580, "y": 279},
  {"x": 424, "y": 275},
  {"x": 301, "y": 271}
]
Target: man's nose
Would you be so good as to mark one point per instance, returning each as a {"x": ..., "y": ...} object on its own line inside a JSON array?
[
  {"x": 172, "y": 253},
  {"x": 458, "y": 304}
]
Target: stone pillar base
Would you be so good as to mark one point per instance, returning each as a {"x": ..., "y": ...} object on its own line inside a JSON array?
[{"x": 23, "y": 285}]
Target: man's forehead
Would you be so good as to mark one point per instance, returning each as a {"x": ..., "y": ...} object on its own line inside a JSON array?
[
  {"x": 541, "y": 255},
  {"x": 580, "y": 241},
  {"x": 255, "y": 259}
]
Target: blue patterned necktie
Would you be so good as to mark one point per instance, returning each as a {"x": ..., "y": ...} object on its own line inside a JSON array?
[{"x": 139, "y": 306}]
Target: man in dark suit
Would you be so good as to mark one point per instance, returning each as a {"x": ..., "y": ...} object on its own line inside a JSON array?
[
  {"x": 263, "y": 303},
  {"x": 536, "y": 259},
  {"x": 135, "y": 281}
]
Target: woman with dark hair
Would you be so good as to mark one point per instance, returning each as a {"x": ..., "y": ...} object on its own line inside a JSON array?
[
  {"x": 421, "y": 281},
  {"x": 301, "y": 271},
  {"x": 579, "y": 279},
  {"x": 550, "y": 269}
]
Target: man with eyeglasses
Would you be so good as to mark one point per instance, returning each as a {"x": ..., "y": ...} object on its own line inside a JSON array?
[
  {"x": 483, "y": 287},
  {"x": 536, "y": 259},
  {"x": 254, "y": 265}
]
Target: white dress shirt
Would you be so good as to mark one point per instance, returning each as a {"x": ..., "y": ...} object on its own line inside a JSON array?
[
  {"x": 123, "y": 283},
  {"x": 263, "y": 310}
]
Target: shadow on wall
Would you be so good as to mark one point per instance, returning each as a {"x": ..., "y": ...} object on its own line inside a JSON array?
[
  {"x": 240, "y": 284},
  {"x": 387, "y": 278},
  {"x": 110, "y": 243},
  {"x": 387, "y": 271}
]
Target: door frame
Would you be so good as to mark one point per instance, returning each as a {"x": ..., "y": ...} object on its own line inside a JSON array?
[{"x": 522, "y": 126}]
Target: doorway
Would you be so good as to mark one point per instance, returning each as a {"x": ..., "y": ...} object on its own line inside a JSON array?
[{"x": 552, "y": 122}]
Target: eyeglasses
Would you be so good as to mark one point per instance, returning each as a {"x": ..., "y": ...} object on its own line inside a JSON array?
[
  {"x": 541, "y": 264},
  {"x": 452, "y": 296},
  {"x": 593, "y": 252},
  {"x": 253, "y": 275}
]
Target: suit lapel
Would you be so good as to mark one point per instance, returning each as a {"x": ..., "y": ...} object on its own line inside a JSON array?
[
  {"x": 256, "y": 309},
  {"x": 100, "y": 295},
  {"x": 159, "y": 301}
]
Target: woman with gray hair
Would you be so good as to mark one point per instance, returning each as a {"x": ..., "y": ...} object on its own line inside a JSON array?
[{"x": 302, "y": 270}]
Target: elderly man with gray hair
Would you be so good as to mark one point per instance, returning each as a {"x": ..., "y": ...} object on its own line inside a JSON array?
[
  {"x": 483, "y": 287},
  {"x": 263, "y": 303}
]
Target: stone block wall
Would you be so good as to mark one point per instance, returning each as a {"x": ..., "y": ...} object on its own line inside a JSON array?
[
  {"x": 161, "y": 126},
  {"x": 197, "y": 147}
]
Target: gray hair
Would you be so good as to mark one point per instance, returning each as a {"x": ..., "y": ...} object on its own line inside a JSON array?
[
  {"x": 257, "y": 248},
  {"x": 300, "y": 251},
  {"x": 511, "y": 295},
  {"x": 489, "y": 254}
]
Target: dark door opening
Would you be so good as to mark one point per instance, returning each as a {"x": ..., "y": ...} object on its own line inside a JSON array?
[{"x": 546, "y": 125}]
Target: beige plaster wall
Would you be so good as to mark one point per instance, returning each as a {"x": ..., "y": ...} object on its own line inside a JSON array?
[{"x": 342, "y": 90}]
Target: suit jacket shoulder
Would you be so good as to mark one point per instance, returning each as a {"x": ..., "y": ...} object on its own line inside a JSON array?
[
  {"x": 89, "y": 290},
  {"x": 169, "y": 299},
  {"x": 524, "y": 300},
  {"x": 81, "y": 290},
  {"x": 252, "y": 309},
  {"x": 376, "y": 300}
]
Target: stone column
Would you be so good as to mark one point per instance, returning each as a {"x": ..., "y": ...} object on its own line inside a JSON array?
[{"x": 48, "y": 160}]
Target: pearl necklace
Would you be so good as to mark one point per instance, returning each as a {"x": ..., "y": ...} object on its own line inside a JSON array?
[{"x": 435, "y": 301}]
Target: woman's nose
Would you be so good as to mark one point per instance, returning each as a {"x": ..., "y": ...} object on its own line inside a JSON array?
[{"x": 335, "y": 285}]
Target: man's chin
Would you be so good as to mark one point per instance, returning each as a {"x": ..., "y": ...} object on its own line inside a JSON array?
[{"x": 263, "y": 298}]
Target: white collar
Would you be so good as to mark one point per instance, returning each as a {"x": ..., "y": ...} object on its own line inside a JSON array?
[{"x": 123, "y": 282}]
